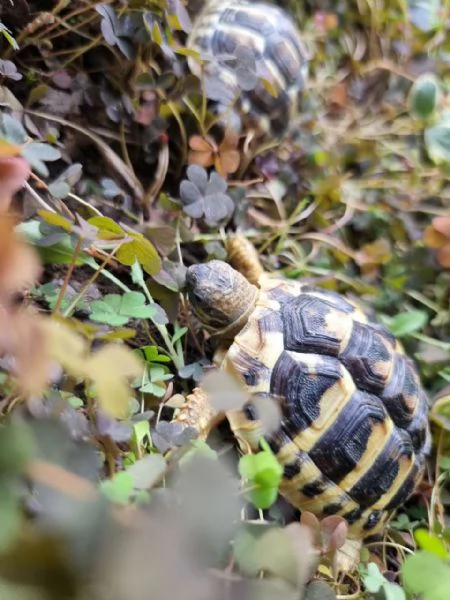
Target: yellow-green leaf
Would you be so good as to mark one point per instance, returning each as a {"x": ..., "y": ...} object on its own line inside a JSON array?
[
  {"x": 110, "y": 369},
  {"x": 268, "y": 85},
  {"x": 141, "y": 250},
  {"x": 106, "y": 226},
  {"x": 156, "y": 34},
  {"x": 55, "y": 219}
]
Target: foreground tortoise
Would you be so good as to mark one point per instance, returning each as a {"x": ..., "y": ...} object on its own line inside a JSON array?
[
  {"x": 223, "y": 28},
  {"x": 354, "y": 431}
]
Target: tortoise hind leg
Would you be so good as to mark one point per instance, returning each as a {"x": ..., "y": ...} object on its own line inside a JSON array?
[
  {"x": 243, "y": 256},
  {"x": 347, "y": 557}
]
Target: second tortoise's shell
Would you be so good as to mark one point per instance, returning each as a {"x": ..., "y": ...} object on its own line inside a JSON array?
[
  {"x": 354, "y": 430},
  {"x": 269, "y": 32}
]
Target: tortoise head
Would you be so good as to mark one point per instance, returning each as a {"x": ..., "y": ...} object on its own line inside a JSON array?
[{"x": 220, "y": 296}]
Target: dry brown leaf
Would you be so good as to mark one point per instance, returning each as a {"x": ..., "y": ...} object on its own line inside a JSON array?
[
  {"x": 433, "y": 238},
  {"x": 339, "y": 95},
  {"x": 227, "y": 162},
  {"x": 23, "y": 340},
  {"x": 19, "y": 265},
  {"x": 437, "y": 236},
  {"x": 376, "y": 253},
  {"x": 443, "y": 256},
  {"x": 111, "y": 368},
  {"x": 199, "y": 144},
  {"x": 204, "y": 159},
  {"x": 7, "y": 149},
  {"x": 442, "y": 225},
  {"x": 14, "y": 171},
  {"x": 205, "y": 152},
  {"x": 334, "y": 531},
  {"x": 66, "y": 347}
]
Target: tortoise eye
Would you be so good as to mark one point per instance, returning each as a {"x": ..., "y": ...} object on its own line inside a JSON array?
[{"x": 250, "y": 411}]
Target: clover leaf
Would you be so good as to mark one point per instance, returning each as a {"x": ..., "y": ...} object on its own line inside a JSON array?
[
  {"x": 116, "y": 309},
  {"x": 263, "y": 473},
  {"x": 203, "y": 197}
]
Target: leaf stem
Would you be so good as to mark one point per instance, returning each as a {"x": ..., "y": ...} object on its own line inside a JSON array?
[{"x": 63, "y": 289}]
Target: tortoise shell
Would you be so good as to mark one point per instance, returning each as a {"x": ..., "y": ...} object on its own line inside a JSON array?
[
  {"x": 354, "y": 433},
  {"x": 269, "y": 32}
]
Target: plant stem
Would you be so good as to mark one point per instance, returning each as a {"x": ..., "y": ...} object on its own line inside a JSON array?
[
  {"x": 176, "y": 357},
  {"x": 63, "y": 289}
]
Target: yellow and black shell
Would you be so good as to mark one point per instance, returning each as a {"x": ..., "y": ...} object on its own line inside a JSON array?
[
  {"x": 354, "y": 431},
  {"x": 270, "y": 34}
]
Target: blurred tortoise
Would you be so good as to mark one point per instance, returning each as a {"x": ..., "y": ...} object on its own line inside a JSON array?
[
  {"x": 354, "y": 433},
  {"x": 233, "y": 34}
]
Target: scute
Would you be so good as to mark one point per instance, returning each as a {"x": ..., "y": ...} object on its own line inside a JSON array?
[
  {"x": 354, "y": 431},
  {"x": 302, "y": 381},
  {"x": 270, "y": 33}
]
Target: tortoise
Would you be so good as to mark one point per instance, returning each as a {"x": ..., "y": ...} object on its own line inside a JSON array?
[
  {"x": 354, "y": 433},
  {"x": 225, "y": 30}
]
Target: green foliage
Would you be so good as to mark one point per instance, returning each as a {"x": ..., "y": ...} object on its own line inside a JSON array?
[
  {"x": 280, "y": 552},
  {"x": 431, "y": 543},
  {"x": 437, "y": 140},
  {"x": 203, "y": 197},
  {"x": 375, "y": 582},
  {"x": 425, "y": 14},
  {"x": 7, "y": 35},
  {"x": 106, "y": 113},
  {"x": 116, "y": 309},
  {"x": 426, "y": 574},
  {"x": 263, "y": 474},
  {"x": 424, "y": 96},
  {"x": 405, "y": 324}
]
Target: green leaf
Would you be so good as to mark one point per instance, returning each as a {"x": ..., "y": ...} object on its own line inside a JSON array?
[
  {"x": 437, "y": 140},
  {"x": 424, "y": 96},
  {"x": 372, "y": 577},
  {"x": 108, "y": 311},
  {"x": 59, "y": 189},
  {"x": 319, "y": 590},
  {"x": 157, "y": 34},
  {"x": 431, "y": 543},
  {"x": 115, "y": 309},
  {"x": 56, "y": 220},
  {"x": 199, "y": 448},
  {"x": 141, "y": 431},
  {"x": 106, "y": 225},
  {"x": 426, "y": 574},
  {"x": 406, "y": 323},
  {"x": 13, "y": 129},
  {"x": 119, "y": 489},
  {"x": 179, "y": 334},
  {"x": 155, "y": 389},
  {"x": 444, "y": 463},
  {"x": 151, "y": 354},
  {"x": 425, "y": 14},
  {"x": 7, "y": 35},
  {"x": 147, "y": 471},
  {"x": 133, "y": 304},
  {"x": 10, "y": 517},
  {"x": 264, "y": 474},
  {"x": 392, "y": 591},
  {"x": 37, "y": 153},
  {"x": 281, "y": 552},
  {"x": 143, "y": 251}
]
